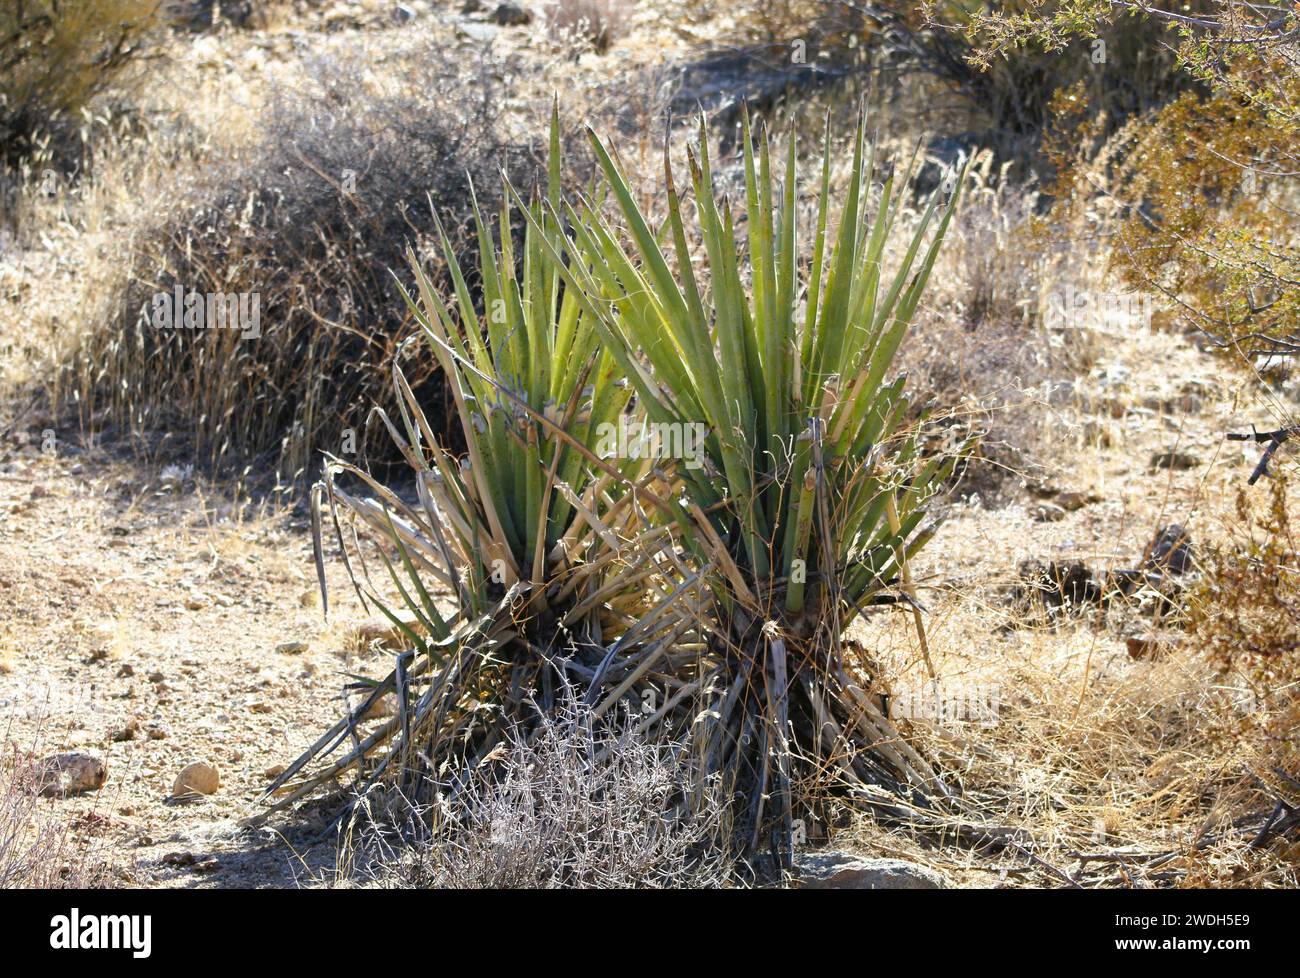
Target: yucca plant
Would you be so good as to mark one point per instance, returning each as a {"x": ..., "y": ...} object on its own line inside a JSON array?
[
  {"x": 707, "y": 589},
  {"x": 811, "y": 492},
  {"x": 540, "y": 541}
]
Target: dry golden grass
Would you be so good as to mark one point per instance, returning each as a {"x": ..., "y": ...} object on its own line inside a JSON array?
[{"x": 1109, "y": 770}]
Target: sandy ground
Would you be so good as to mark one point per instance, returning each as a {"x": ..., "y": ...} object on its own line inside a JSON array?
[{"x": 149, "y": 626}]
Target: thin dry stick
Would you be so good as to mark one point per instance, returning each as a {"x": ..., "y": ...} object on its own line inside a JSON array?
[{"x": 909, "y": 588}]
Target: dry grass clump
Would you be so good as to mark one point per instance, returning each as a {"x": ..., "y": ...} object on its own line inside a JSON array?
[
  {"x": 1090, "y": 768},
  {"x": 574, "y": 803},
  {"x": 311, "y": 220},
  {"x": 978, "y": 346},
  {"x": 596, "y": 23}
]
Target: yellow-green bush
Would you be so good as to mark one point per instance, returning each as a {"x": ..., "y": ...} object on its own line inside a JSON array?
[
  {"x": 1203, "y": 187},
  {"x": 1246, "y": 614},
  {"x": 57, "y": 55}
]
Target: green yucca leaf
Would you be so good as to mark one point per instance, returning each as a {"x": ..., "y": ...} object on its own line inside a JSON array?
[
  {"x": 796, "y": 411},
  {"x": 533, "y": 387}
]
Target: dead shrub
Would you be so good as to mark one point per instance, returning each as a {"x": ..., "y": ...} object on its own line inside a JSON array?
[
  {"x": 1246, "y": 614},
  {"x": 313, "y": 220},
  {"x": 38, "y": 847},
  {"x": 597, "y": 23},
  {"x": 574, "y": 805}
]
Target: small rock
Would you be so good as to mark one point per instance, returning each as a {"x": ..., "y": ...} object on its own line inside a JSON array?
[
  {"x": 1174, "y": 460},
  {"x": 274, "y": 771},
  {"x": 511, "y": 15},
  {"x": 195, "y": 602},
  {"x": 125, "y": 671},
  {"x": 291, "y": 648},
  {"x": 1170, "y": 550},
  {"x": 1047, "y": 513},
  {"x": 71, "y": 774},
  {"x": 129, "y": 731},
  {"x": 471, "y": 6},
  {"x": 1071, "y": 501},
  {"x": 38, "y": 492},
  {"x": 1142, "y": 647},
  {"x": 844, "y": 871},
  {"x": 156, "y": 677},
  {"x": 196, "y": 778}
]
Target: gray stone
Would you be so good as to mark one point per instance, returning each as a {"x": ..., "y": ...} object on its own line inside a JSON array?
[
  {"x": 1174, "y": 460},
  {"x": 71, "y": 774},
  {"x": 834, "y": 870},
  {"x": 511, "y": 15}
]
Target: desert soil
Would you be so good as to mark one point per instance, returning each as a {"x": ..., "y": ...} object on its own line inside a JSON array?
[{"x": 153, "y": 622}]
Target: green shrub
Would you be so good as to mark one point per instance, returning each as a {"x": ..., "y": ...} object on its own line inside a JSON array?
[
  {"x": 56, "y": 56},
  {"x": 1202, "y": 185}
]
